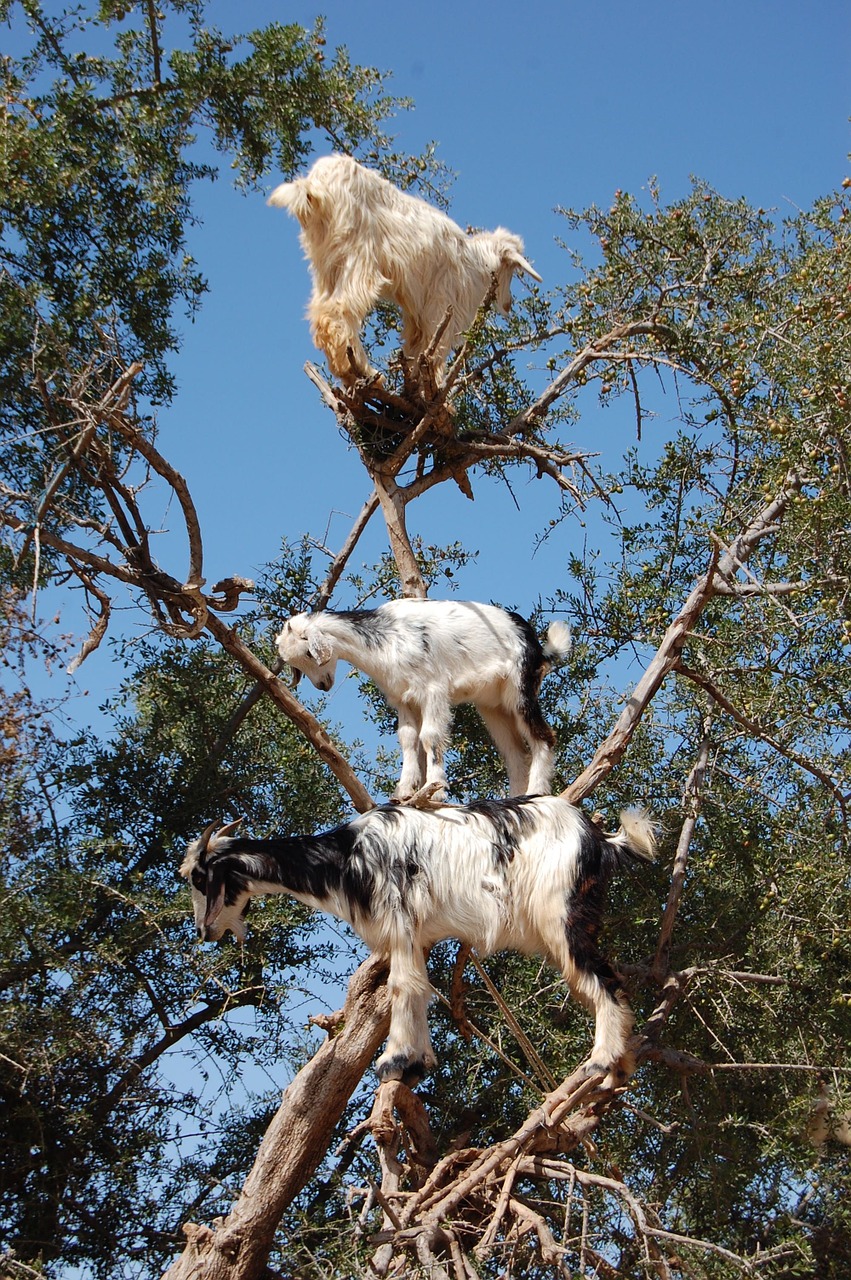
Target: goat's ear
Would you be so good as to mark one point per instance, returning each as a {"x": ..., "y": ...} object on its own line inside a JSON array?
[
  {"x": 215, "y": 896},
  {"x": 318, "y": 647},
  {"x": 520, "y": 264}
]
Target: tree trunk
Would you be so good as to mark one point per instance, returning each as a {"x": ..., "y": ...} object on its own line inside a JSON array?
[{"x": 238, "y": 1247}]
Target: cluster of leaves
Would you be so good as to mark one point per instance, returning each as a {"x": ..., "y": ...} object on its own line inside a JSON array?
[
  {"x": 112, "y": 1023},
  {"x": 98, "y": 171},
  {"x": 743, "y": 325}
]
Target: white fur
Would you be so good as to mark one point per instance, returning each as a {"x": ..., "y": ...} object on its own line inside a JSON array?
[
  {"x": 366, "y": 241},
  {"x": 428, "y": 656},
  {"x": 527, "y": 874}
]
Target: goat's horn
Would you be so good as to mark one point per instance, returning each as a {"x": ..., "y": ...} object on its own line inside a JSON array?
[
  {"x": 204, "y": 838},
  {"x": 527, "y": 268},
  {"x": 228, "y": 829}
]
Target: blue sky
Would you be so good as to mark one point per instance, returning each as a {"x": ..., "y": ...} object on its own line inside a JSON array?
[{"x": 532, "y": 107}]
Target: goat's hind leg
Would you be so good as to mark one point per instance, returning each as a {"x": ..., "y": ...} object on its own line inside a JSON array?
[
  {"x": 595, "y": 984},
  {"x": 510, "y": 743},
  {"x": 408, "y": 1055},
  {"x": 599, "y": 989}
]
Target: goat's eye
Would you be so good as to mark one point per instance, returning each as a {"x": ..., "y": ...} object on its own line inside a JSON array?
[{"x": 199, "y": 880}]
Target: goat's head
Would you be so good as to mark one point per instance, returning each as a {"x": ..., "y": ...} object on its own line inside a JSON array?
[
  {"x": 304, "y": 646},
  {"x": 508, "y": 249},
  {"x": 206, "y": 869}
]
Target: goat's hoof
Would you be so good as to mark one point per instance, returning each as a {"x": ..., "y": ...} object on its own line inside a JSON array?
[
  {"x": 399, "y": 1066},
  {"x": 615, "y": 1073},
  {"x": 431, "y": 796}
]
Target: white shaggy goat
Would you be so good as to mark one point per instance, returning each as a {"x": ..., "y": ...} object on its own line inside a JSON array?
[
  {"x": 428, "y": 656},
  {"x": 366, "y": 241},
  {"x": 528, "y": 874}
]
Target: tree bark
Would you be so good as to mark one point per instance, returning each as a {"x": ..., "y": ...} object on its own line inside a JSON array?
[{"x": 237, "y": 1247}]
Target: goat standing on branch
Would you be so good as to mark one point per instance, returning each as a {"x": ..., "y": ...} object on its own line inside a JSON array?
[
  {"x": 427, "y": 656},
  {"x": 527, "y": 874},
  {"x": 367, "y": 242}
]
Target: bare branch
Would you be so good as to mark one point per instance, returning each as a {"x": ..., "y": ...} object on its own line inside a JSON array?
[
  {"x": 691, "y": 804},
  {"x": 667, "y": 655},
  {"x": 98, "y": 631},
  {"x": 530, "y": 416},
  {"x": 756, "y": 731}
]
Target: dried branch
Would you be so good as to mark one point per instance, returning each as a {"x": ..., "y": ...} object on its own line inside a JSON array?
[
  {"x": 691, "y": 804},
  {"x": 756, "y": 731},
  {"x": 99, "y": 629},
  {"x": 139, "y": 443},
  {"x": 667, "y": 656}
]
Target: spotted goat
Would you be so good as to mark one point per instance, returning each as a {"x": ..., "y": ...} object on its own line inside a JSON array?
[
  {"x": 427, "y": 656},
  {"x": 528, "y": 874}
]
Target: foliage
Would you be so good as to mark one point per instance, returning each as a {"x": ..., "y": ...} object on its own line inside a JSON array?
[
  {"x": 100, "y": 982},
  {"x": 133, "y": 1066},
  {"x": 99, "y": 168}
]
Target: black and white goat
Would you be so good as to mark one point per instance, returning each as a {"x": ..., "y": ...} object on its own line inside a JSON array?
[
  {"x": 366, "y": 241},
  {"x": 427, "y": 656},
  {"x": 526, "y": 874}
]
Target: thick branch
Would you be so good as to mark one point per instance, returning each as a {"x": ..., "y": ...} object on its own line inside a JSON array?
[
  {"x": 609, "y": 753},
  {"x": 667, "y": 657},
  {"x": 295, "y": 1142},
  {"x": 393, "y": 509}
]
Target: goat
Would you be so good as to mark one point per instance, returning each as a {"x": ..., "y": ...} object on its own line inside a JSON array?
[
  {"x": 366, "y": 241},
  {"x": 428, "y": 656},
  {"x": 526, "y": 874}
]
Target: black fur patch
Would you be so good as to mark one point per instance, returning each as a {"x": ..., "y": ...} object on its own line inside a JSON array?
[
  {"x": 369, "y": 624},
  {"x": 312, "y": 865},
  {"x": 399, "y": 1067},
  {"x": 584, "y": 907},
  {"x": 509, "y": 819},
  {"x": 532, "y": 672}
]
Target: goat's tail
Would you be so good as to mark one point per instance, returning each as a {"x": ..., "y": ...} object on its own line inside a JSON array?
[
  {"x": 557, "y": 644},
  {"x": 295, "y": 197},
  {"x": 636, "y": 836}
]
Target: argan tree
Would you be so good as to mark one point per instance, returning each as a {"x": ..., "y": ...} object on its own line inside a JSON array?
[{"x": 709, "y": 678}]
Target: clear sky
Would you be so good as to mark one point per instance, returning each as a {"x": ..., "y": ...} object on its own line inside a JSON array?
[{"x": 532, "y": 106}]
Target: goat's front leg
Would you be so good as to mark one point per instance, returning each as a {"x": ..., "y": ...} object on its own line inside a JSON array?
[
  {"x": 408, "y": 1055},
  {"x": 434, "y": 736},
  {"x": 408, "y": 732},
  {"x": 335, "y": 329}
]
